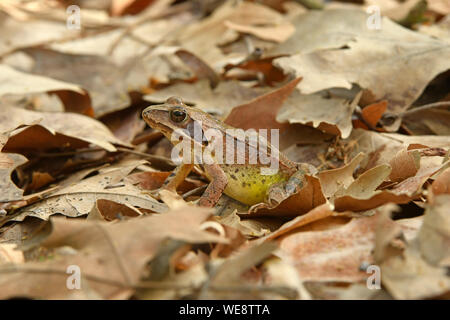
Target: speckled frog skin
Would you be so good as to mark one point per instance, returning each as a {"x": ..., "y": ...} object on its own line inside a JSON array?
[{"x": 243, "y": 181}]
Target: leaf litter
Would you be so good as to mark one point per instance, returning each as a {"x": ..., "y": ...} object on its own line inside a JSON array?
[{"x": 367, "y": 108}]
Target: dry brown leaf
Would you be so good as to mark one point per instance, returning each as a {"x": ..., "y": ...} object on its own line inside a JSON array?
[
  {"x": 318, "y": 111},
  {"x": 428, "y": 122},
  {"x": 78, "y": 199},
  {"x": 8, "y": 189},
  {"x": 369, "y": 61},
  {"x": 421, "y": 270},
  {"x": 111, "y": 256},
  {"x": 405, "y": 164},
  {"x": 97, "y": 75},
  {"x": 441, "y": 185},
  {"x": 267, "y": 106},
  {"x": 14, "y": 82},
  {"x": 373, "y": 113},
  {"x": 434, "y": 236},
  {"x": 199, "y": 67},
  {"x": 32, "y": 130},
  {"x": 361, "y": 195},
  {"x": 318, "y": 213},
  {"x": 333, "y": 180},
  {"x": 331, "y": 255},
  {"x": 384, "y": 146},
  {"x": 439, "y": 6},
  {"x": 16, "y": 34},
  {"x": 122, "y": 7},
  {"x": 307, "y": 198},
  {"x": 110, "y": 210},
  {"x": 153, "y": 180},
  {"x": 204, "y": 37}
]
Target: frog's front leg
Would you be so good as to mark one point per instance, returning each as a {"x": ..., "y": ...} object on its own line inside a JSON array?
[
  {"x": 174, "y": 179},
  {"x": 177, "y": 177},
  {"x": 215, "y": 188}
]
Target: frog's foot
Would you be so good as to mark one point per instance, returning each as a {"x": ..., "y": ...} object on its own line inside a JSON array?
[
  {"x": 280, "y": 191},
  {"x": 275, "y": 195},
  {"x": 154, "y": 193}
]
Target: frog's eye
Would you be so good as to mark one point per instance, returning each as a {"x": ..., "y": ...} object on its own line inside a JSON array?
[{"x": 178, "y": 115}]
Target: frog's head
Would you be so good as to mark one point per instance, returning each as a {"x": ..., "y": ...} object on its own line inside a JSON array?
[{"x": 175, "y": 115}]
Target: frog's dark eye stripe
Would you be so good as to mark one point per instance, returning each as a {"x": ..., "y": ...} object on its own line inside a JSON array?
[{"x": 178, "y": 114}]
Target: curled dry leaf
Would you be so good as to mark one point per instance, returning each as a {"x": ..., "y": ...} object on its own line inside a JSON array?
[
  {"x": 341, "y": 178},
  {"x": 233, "y": 269},
  {"x": 382, "y": 147},
  {"x": 405, "y": 164},
  {"x": 307, "y": 198},
  {"x": 441, "y": 185},
  {"x": 362, "y": 193},
  {"x": 32, "y": 130},
  {"x": 320, "y": 212}
]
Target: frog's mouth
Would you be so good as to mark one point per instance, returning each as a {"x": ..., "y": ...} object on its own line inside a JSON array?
[{"x": 165, "y": 130}]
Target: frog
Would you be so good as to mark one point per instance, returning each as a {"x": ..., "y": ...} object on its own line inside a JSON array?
[{"x": 249, "y": 182}]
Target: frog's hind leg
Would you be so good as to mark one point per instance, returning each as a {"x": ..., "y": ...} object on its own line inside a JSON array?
[
  {"x": 215, "y": 188},
  {"x": 283, "y": 190}
]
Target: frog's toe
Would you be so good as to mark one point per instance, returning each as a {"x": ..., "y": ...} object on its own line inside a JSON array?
[{"x": 153, "y": 193}]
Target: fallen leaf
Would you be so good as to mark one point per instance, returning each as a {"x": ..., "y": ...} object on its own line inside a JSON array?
[
  {"x": 8, "y": 189},
  {"x": 405, "y": 164},
  {"x": 368, "y": 60},
  {"x": 19, "y": 83},
  {"x": 32, "y": 130},
  {"x": 434, "y": 236},
  {"x": 318, "y": 111},
  {"x": 78, "y": 199},
  {"x": 373, "y": 113},
  {"x": 341, "y": 178},
  {"x": 243, "y": 116},
  {"x": 111, "y": 257}
]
